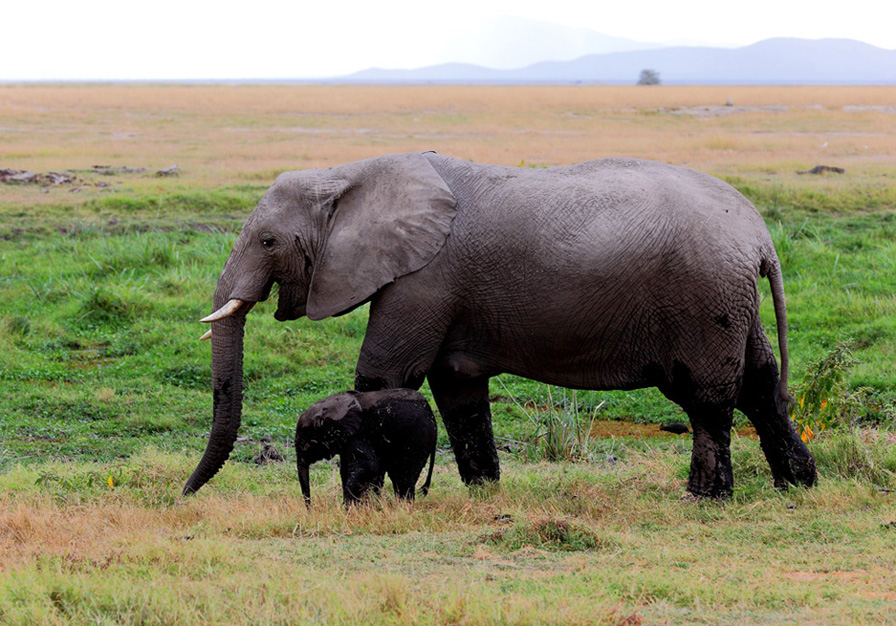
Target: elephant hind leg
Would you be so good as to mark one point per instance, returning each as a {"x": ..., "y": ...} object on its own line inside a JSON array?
[
  {"x": 711, "y": 475},
  {"x": 464, "y": 405},
  {"x": 759, "y": 399},
  {"x": 709, "y": 403},
  {"x": 404, "y": 477},
  {"x": 404, "y": 488}
]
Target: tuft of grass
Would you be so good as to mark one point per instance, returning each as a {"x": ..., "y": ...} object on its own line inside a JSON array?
[
  {"x": 548, "y": 534},
  {"x": 859, "y": 455},
  {"x": 18, "y": 325},
  {"x": 559, "y": 432},
  {"x": 99, "y": 306}
]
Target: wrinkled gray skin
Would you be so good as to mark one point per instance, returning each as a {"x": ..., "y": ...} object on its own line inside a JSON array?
[
  {"x": 610, "y": 274},
  {"x": 375, "y": 433}
]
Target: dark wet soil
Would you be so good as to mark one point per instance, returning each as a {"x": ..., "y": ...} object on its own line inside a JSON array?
[{"x": 615, "y": 428}]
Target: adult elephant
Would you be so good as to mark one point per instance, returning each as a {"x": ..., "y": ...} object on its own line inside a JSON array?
[{"x": 610, "y": 274}]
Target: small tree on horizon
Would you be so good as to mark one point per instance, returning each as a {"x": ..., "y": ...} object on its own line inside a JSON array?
[{"x": 649, "y": 77}]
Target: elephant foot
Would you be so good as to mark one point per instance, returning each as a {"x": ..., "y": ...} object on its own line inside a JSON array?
[
  {"x": 717, "y": 494},
  {"x": 800, "y": 472},
  {"x": 804, "y": 470},
  {"x": 477, "y": 458},
  {"x": 717, "y": 484},
  {"x": 791, "y": 464},
  {"x": 761, "y": 401},
  {"x": 403, "y": 491},
  {"x": 484, "y": 472}
]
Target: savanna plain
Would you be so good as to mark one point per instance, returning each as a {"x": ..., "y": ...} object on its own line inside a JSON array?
[{"x": 105, "y": 397}]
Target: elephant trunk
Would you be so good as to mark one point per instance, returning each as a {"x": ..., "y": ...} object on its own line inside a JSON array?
[
  {"x": 304, "y": 482},
  {"x": 227, "y": 373}
]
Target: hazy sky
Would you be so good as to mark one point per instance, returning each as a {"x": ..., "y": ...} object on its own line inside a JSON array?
[{"x": 181, "y": 39}]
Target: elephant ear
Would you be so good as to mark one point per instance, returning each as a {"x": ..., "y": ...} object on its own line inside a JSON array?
[
  {"x": 330, "y": 422},
  {"x": 389, "y": 216},
  {"x": 343, "y": 414}
]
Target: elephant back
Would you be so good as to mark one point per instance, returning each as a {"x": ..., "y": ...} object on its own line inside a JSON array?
[{"x": 399, "y": 415}]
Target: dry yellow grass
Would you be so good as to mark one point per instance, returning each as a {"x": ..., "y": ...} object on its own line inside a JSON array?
[
  {"x": 557, "y": 544},
  {"x": 231, "y": 134}
]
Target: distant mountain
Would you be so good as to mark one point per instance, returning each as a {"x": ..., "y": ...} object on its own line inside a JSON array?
[
  {"x": 772, "y": 61},
  {"x": 511, "y": 42}
]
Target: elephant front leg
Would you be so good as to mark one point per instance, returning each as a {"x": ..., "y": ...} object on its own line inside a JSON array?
[
  {"x": 711, "y": 475},
  {"x": 360, "y": 471},
  {"x": 465, "y": 411}
]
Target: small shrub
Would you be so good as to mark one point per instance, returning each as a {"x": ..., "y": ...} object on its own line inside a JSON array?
[
  {"x": 72, "y": 487},
  {"x": 822, "y": 399},
  {"x": 559, "y": 433}
]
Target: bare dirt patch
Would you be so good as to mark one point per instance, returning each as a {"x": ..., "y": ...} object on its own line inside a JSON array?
[{"x": 615, "y": 428}]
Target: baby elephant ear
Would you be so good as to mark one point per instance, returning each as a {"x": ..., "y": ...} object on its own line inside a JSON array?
[
  {"x": 391, "y": 219},
  {"x": 345, "y": 413}
]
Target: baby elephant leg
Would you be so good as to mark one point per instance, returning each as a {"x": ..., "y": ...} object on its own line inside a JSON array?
[
  {"x": 404, "y": 435},
  {"x": 410, "y": 463},
  {"x": 360, "y": 471},
  {"x": 404, "y": 481},
  {"x": 411, "y": 435}
]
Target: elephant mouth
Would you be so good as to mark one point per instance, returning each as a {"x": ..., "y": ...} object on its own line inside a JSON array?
[
  {"x": 290, "y": 302},
  {"x": 284, "y": 316}
]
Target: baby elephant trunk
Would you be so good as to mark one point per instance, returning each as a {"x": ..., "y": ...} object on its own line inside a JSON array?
[{"x": 304, "y": 482}]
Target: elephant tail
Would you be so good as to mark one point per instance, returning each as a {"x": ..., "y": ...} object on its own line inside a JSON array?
[
  {"x": 424, "y": 490},
  {"x": 772, "y": 270}
]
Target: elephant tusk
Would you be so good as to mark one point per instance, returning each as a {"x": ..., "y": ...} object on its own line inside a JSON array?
[
  {"x": 225, "y": 311},
  {"x": 207, "y": 335}
]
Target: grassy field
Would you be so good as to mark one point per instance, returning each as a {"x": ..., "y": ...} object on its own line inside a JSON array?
[{"x": 105, "y": 401}]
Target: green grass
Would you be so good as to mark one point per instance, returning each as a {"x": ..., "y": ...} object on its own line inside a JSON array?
[
  {"x": 105, "y": 401},
  {"x": 98, "y": 350}
]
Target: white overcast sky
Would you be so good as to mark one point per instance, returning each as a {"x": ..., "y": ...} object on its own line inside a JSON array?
[{"x": 187, "y": 39}]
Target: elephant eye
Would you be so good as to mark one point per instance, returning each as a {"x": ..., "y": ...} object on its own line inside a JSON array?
[{"x": 267, "y": 242}]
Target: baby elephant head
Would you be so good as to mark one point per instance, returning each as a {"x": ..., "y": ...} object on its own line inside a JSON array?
[{"x": 321, "y": 432}]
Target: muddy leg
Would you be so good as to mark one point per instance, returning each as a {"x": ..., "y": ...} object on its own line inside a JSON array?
[
  {"x": 465, "y": 411},
  {"x": 360, "y": 472},
  {"x": 711, "y": 475},
  {"x": 404, "y": 489},
  {"x": 405, "y": 473},
  {"x": 787, "y": 455},
  {"x": 709, "y": 403}
]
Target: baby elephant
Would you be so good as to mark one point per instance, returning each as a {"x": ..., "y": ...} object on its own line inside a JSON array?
[{"x": 374, "y": 433}]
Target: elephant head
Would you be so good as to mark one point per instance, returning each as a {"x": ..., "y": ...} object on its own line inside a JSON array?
[
  {"x": 330, "y": 239},
  {"x": 322, "y": 430}
]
